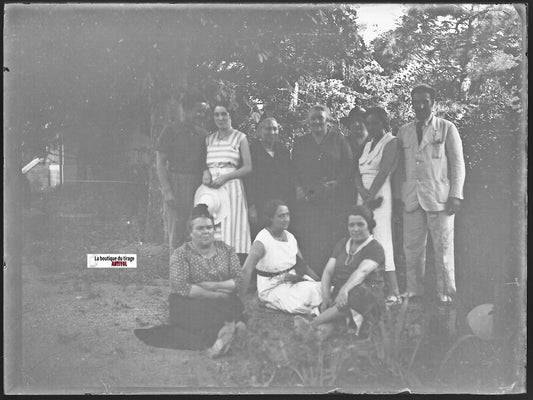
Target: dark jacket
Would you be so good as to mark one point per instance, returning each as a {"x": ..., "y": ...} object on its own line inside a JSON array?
[{"x": 271, "y": 177}]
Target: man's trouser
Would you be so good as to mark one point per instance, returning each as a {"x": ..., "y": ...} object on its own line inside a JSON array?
[
  {"x": 415, "y": 229},
  {"x": 183, "y": 186}
]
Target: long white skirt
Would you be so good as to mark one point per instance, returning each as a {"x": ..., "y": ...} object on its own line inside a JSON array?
[
  {"x": 383, "y": 217},
  {"x": 295, "y": 298}
]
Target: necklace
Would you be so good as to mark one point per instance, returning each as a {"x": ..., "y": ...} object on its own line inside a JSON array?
[
  {"x": 351, "y": 253},
  {"x": 225, "y": 136}
]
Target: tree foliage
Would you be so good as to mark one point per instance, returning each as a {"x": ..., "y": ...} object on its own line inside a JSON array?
[{"x": 472, "y": 55}]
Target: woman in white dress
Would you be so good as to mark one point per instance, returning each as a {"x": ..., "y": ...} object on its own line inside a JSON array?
[
  {"x": 284, "y": 281},
  {"x": 376, "y": 165},
  {"x": 228, "y": 160}
]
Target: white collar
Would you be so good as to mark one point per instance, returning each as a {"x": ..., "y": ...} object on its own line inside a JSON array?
[{"x": 349, "y": 242}]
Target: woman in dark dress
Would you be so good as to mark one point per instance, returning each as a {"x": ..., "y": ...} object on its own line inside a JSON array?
[
  {"x": 273, "y": 175},
  {"x": 204, "y": 308},
  {"x": 323, "y": 161},
  {"x": 352, "y": 282}
]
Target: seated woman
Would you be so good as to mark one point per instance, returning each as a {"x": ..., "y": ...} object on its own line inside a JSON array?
[
  {"x": 284, "y": 280},
  {"x": 352, "y": 282},
  {"x": 204, "y": 276}
]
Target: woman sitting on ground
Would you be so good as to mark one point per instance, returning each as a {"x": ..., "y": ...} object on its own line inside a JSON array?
[
  {"x": 284, "y": 281},
  {"x": 352, "y": 282},
  {"x": 204, "y": 276}
]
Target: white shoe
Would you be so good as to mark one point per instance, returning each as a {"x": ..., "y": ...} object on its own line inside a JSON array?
[
  {"x": 358, "y": 321},
  {"x": 223, "y": 342},
  {"x": 240, "y": 329}
]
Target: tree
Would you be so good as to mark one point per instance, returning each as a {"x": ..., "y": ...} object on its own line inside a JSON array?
[{"x": 474, "y": 56}]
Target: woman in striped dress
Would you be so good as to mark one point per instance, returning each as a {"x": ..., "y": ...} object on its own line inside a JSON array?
[{"x": 228, "y": 161}]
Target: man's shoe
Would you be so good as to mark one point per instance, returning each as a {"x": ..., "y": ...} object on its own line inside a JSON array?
[
  {"x": 393, "y": 300},
  {"x": 445, "y": 300}
]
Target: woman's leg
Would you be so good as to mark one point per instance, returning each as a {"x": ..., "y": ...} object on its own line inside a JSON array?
[
  {"x": 200, "y": 314},
  {"x": 366, "y": 301},
  {"x": 332, "y": 314}
]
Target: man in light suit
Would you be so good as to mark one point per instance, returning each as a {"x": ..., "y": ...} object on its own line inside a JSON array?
[{"x": 430, "y": 176}]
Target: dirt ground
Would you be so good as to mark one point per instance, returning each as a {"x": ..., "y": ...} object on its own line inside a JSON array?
[{"x": 78, "y": 324}]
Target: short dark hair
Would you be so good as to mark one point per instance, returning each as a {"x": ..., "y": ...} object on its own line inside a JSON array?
[
  {"x": 381, "y": 114},
  {"x": 364, "y": 212},
  {"x": 226, "y": 105},
  {"x": 190, "y": 99},
  {"x": 423, "y": 88},
  {"x": 269, "y": 210},
  {"x": 263, "y": 121},
  {"x": 355, "y": 112},
  {"x": 320, "y": 107},
  {"x": 199, "y": 211}
]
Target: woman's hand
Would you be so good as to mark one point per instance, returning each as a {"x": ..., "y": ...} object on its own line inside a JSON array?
[
  {"x": 312, "y": 274},
  {"x": 218, "y": 182},
  {"x": 365, "y": 195},
  {"x": 293, "y": 278},
  {"x": 342, "y": 298},
  {"x": 207, "y": 285},
  {"x": 374, "y": 203},
  {"x": 206, "y": 178},
  {"x": 252, "y": 214},
  {"x": 326, "y": 303}
]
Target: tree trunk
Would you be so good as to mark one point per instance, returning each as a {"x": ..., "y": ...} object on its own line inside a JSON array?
[{"x": 464, "y": 60}]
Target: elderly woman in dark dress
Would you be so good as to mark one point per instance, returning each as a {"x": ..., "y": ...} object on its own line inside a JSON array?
[
  {"x": 203, "y": 304},
  {"x": 323, "y": 161},
  {"x": 273, "y": 175},
  {"x": 352, "y": 282}
]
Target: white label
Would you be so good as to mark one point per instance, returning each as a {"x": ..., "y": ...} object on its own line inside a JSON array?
[{"x": 112, "y": 261}]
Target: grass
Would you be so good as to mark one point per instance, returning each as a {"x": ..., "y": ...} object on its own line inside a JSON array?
[{"x": 403, "y": 350}]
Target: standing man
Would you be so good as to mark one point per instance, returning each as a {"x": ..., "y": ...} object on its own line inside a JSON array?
[
  {"x": 181, "y": 156},
  {"x": 431, "y": 178}
]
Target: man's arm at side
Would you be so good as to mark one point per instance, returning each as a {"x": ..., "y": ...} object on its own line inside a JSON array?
[{"x": 456, "y": 163}]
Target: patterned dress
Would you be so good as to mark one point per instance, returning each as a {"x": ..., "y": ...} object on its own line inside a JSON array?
[
  {"x": 223, "y": 156},
  {"x": 194, "y": 323}
]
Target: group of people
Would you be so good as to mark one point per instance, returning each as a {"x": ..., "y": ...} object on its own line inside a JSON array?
[{"x": 337, "y": 190}]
